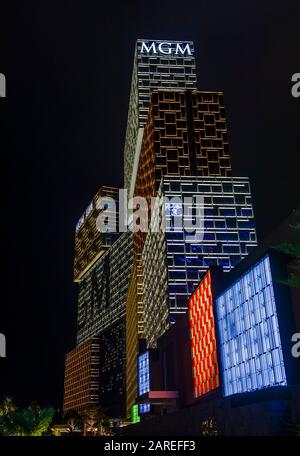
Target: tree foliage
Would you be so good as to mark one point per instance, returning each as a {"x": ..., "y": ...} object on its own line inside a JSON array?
[{"x": 31, "y": 421}]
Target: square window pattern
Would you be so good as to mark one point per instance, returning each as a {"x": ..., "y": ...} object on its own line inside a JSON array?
[
  {"x": 250, "y": 344},
  {"x": 143, "y": 373},
  {"x": 203, "y": 339}
]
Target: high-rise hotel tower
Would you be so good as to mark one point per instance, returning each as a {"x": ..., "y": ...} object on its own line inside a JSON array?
[{"x": 95, "y": 369}]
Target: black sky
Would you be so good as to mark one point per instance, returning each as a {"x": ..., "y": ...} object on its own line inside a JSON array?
[{"x": 68, "y": 68}]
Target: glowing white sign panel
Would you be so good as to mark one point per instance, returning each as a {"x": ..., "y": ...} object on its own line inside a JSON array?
[{"x": 166, "y": 48}]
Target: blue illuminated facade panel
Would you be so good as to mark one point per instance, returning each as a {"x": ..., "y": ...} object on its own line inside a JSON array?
[
  {"x": 249, "y": 337},
  {"x": 229, "y": 232},
  {"x": 143, "y": 373}
]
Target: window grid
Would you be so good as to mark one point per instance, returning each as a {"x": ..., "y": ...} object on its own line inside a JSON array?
[
  {"x": 143, "y": 373},
  {"x": 250, "y": 343}
]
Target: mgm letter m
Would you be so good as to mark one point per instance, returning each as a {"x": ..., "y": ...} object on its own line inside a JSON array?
[
  {"x": 2, "y": 86},
  {"x": 2, "y": 346}
]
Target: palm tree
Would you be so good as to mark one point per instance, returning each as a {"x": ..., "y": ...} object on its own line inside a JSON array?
[
  {"x": 89, "y": 420},
  {"x": 34, "y": 420},
  {"x": 102, "y": 421}
]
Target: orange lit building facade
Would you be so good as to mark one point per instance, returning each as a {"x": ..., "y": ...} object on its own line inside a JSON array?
[{"x": 185, "y": 135}]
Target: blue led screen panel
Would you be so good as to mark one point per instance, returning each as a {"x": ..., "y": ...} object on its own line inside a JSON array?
[
  {"x": 250, "y": 344},
  {"x": 143, "y": 373}
]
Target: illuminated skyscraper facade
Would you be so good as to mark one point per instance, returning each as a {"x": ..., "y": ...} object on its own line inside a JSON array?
[
  {"x": 174, "y": 261},
  {"x": 102, "y": 268},
  {"x": 143, "y": 373},
  {"x": 112, "y": 372},
  {"x": 134, "y": 332},
  {"x": 185, "y": 135},
  {"x": 135, "y": 286},
  {"x": 157, "y": 64},
  {"x": 90, "y": 244},
  {"x": 177, "y": 146}
]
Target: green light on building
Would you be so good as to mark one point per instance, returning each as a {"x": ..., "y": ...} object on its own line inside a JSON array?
[{"x": 135, "y": 414}]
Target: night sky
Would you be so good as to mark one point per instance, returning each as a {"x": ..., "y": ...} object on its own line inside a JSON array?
[{"x": 68, "y": 68}]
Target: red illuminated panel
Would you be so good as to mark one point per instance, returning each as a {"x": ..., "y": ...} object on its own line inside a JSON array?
[{"x": 203, "y": 339}]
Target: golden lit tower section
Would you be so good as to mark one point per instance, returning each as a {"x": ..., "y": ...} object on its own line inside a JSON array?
[
  {"x": 185, "y": 135},
  {"x": 90, "y": 243}
]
